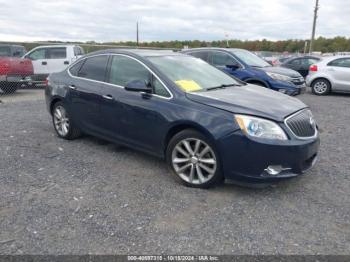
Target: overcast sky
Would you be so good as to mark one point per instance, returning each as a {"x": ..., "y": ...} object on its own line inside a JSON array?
[{"x": 114, "y": 20}]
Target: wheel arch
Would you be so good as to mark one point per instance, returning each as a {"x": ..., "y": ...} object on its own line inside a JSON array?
[
  {"x": 178, "y": 127},
  {"x": 257, "y": 81},
  {"x": 322, "y": 78},
  {"x": 53, "y": 102}
]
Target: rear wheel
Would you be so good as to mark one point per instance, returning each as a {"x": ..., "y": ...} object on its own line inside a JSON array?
[
  {"x": 62, "y": 122},
  {"x": 193, "y": 158},
  {"x": 321, "y": 87}
]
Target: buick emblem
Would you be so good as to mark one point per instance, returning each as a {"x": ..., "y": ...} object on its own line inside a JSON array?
[{"x": 312, "y": 121}]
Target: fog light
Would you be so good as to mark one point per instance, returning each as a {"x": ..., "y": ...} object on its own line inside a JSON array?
[{"x": 274, "y": 170}]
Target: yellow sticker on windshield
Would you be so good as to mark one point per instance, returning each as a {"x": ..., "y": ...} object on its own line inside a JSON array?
[{"x": 188, "y": 85}]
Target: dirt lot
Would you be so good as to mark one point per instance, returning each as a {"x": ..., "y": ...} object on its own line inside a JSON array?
[{"x": 90, "y": 196}]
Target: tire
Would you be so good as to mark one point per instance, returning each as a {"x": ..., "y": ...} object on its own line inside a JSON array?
[
  {"x": 321, "y": 87},
  {"x": 8, "y": 88},
  {"x": 192, "y": 157},
  {"x": 62, "y": 123}
]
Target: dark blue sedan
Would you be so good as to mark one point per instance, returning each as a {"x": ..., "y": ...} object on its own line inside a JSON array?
[
  {"x": 252, "y": 69},
  {"x": 207, "y": 125}
]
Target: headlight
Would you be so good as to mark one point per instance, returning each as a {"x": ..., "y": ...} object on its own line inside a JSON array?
[
  {"x": 279, "y": 77},
  {"x": 259, "y": 127}
]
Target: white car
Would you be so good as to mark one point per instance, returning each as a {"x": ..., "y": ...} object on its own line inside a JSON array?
[
  {"x": 330, "y": 74},
  {"x": 52, "y": 59}
]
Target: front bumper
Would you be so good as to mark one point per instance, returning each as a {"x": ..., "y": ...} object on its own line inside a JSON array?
[{"x": 247, "y": 160}]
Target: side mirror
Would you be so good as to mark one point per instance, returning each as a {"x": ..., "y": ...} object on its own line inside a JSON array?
[
  {"x": 138, "y": 86},
  {"x": 233, "y": 66}
]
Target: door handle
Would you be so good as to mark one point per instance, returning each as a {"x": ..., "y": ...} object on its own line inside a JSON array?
[
  {"x": 73, "y": 87},
  {"x": 44, "y": 63},
  {"x": 66, "y": 62},
  {"x": 108, "y": 97}
]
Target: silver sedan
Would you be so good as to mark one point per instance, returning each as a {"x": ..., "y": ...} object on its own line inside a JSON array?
[{"x": 330, "y": 74}]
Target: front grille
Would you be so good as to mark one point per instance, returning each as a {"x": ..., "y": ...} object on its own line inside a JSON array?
[{"x": 302, "y": 124}]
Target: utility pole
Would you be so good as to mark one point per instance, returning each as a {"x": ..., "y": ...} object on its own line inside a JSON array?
[
  {"x": 313, "y": 27},
  {"x": 137, "y": 33}
]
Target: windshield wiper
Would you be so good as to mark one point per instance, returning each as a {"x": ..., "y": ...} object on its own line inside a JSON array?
[{"x": 221, "y": 86}]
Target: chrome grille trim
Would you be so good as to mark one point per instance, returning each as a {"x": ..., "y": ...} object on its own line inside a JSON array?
[{"x": 298, "y": 124}]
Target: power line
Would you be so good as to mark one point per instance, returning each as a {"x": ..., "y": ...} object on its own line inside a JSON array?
[{"x": 313, "y": 27}]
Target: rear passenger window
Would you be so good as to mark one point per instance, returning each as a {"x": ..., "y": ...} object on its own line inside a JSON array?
[
  {"x": 75, "y": 68},
  {"x": 295, "y": 62},
  {"x": 57, "y": 53},
  {"x": 342, "y": 62},
  {"x": 125, "y": 69},
  {"x": 78, "y": 51},
  {"x": 222, "y": 59},
  {"x": 94, "y": 68},
  {"x": 201, "y": 55}
]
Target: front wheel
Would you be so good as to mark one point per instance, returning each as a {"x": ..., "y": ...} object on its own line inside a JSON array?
[
  {"x": 321, "y": 87},
  {"x": 63, "y": 124},
  {"x": 194, "y": 160}
]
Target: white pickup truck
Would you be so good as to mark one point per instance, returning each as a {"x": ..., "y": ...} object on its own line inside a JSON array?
[{"x": 52, "y": 59}]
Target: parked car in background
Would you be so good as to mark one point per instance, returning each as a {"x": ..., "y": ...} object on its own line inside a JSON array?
[
  {"x": 331, "y": 74},
  {"x": 251, "y": 68},
  {"x": 52, "y": 59},
  {"x": 301, "y": 64},
  {"x": 207, "y": 125},
  {"x": 8, "y": 50},
  {"x": 14, "y": 71}
]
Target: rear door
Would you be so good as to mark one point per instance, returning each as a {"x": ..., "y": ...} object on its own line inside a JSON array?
[
  {"x": 339, "y": 70},
  {"x": 84, "y": 91},
  {"x": 57, "y": 59}
]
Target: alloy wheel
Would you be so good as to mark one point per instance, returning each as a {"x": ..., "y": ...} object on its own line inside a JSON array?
[
  {"x": 61, "y": 121},
  {"x": 320, "y": 87},
  {"x": 194, "y": 161}
]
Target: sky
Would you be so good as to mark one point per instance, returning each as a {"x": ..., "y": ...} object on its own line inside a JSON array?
[{"x": 115, "y": 20}]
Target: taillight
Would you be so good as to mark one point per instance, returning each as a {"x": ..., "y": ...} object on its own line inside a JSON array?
[
  {"x": 313, "y": 68},
  {"x": 46, "y": 82}
]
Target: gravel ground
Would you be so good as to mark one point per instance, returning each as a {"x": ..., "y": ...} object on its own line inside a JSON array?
[{"x": 90, "y": 196}]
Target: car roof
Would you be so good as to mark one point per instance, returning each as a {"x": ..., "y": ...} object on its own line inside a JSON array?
[
  {"x": 51, "y": 46},
  {"x": 138, "y": 52},
  {"x": 214, "y": 48},
  {"x": 12, "y": 45}
]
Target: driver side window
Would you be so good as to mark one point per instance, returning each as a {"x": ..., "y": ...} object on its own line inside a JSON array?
[
  {"x": 37, "y": 54},
  {"x": 125, "y": 69}
]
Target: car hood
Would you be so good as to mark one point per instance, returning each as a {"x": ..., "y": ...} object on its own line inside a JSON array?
[
  {"x": 281, "y": 71},
  {"x": 250, "y": 100}
]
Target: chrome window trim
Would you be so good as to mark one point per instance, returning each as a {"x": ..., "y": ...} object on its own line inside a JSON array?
[
  {"x": 110, "y": 84},
  {"x": 299, "y": 137}
]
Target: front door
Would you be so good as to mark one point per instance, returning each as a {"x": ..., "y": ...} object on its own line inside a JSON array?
[
  {"x": 133, "y": 117},
  {"x": 39, "y": 61}
]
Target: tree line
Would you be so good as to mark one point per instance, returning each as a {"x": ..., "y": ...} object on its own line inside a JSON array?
[{"x": 321, "y": 44}]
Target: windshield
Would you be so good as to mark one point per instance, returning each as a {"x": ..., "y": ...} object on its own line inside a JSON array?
[
  {"x": 249, "y": 58},
  {"x": 5, "y": 51},
  {"x": 192, "y": 74}
]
